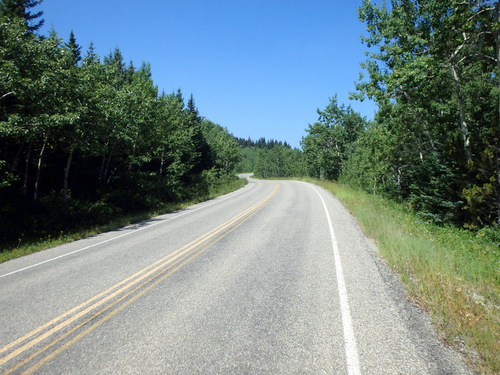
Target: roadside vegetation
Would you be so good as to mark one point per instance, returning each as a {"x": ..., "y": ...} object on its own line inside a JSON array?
[
  {"x": 423, "y": 178},
  {"x": 30, "y": 245},
  {"x": 85, "y": 139},
  {"x": 452, "y": 273}
]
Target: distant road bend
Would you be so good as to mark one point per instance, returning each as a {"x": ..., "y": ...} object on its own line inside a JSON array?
[{"x": 275, "y": 278}]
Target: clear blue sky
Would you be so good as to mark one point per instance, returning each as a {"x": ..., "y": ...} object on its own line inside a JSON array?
[{"x": 260, "y": 68}]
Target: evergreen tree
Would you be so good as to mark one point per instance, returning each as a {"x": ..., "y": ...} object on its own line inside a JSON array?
[
  {"x": 119, "y": 72},
  {"x": 74, "y": 48},
  {"x": 21, "y": 9},
  {"x": 203, "y": 159},
  {"x": 225, "y": 151},
  {"x": 91, "y": 56},
  {"x": 81, "y": 139},
  {"x": 130, "y": 71},
  {"x": 191, "y": 107}
]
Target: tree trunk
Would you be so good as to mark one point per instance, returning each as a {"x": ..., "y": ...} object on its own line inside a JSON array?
[
  {"x": 106, "y": 169},
  {"x": 424, "y": 126},
  {"x": 134, "y": 149},
  {"x": 162, "y": 162},
  {"x": 18, "y": 155},
  {"x": 463, "y": 122},
  {"x": 39, "y": 167},
  {"x": 66, "y": 175},
  {"x": 103, "y": 172},
  {"x": 26, "y": 170}
]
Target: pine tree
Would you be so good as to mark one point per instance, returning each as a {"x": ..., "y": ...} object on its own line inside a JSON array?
[
  {"x": 74, "y": 48},
  {"x": 191, "y": 106},
  {"x": 91, "y": 56},
  {"x": 20, "y": 8},
  {"x": 203, "y": 161}
]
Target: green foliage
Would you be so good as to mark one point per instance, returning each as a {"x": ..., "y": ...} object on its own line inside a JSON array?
[
  {"x": 432, "y": 192},
  {"x": 370, "y": 165},
  {"x": 270, "y": 158},
  {"x": 74, "y": 48},
  {"x": 11, "y": 9},
  {"x": 434, "y": 73},
  {"x": 83, "y": 140},
  {"x": 279, "y": 161},
  {"x": 225, "y": 151},
  {"x": 248, "y": 160},
  {"x": 327, "y": 144},
  {"x": 261, "y": 143}
]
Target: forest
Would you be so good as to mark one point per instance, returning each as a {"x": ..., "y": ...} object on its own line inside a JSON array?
[
  {"x": 85, "y": 138},
  {"x": 433, "y": 69},
  {"x": 270, "y": 158}
]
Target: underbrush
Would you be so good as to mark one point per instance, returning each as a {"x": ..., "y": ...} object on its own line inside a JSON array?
[
  {"x": 452, "y": 273},
  {"x": 53, "y": 225}
]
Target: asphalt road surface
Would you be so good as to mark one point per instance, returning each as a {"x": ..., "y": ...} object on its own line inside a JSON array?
[{"x": 275, "y": 278}]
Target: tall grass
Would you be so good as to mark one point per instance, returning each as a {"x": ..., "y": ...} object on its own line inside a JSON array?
[{"x": 453, "y": 274}]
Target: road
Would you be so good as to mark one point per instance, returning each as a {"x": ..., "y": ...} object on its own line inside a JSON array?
[{"x": 275, "y": 278}]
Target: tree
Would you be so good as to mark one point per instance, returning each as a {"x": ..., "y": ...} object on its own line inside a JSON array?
[
  {"x": 84, "y": 139},
  {"x": 20, "y": 8},
  {"x": 118, "y": 69},
  {"x": 23, "y": 63},
  {"x": 371, "y": 165},
  {"x": 249, "y": 155},
  {"x": 74, "y": 48},
  {"x": 201, "y": 158},
  {"x": 434, "y": 77},
  {"x": 279, "y": 161},
  {"x": 326, "y": 145},
  {"x": 225, "y": 150}
]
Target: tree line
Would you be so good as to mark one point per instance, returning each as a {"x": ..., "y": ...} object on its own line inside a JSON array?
[
  {"x": 270, "y": 158},
  {"x": 434, "y": 72},
  {"x": 434, "y": 142},
  {"x": 83, "y": 139},
  {"x": 261, "y": 143},
  {"x": 90, "y": 137}
]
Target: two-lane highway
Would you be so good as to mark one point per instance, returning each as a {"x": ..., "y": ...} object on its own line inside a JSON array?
[{"x": 275, "y": 278}]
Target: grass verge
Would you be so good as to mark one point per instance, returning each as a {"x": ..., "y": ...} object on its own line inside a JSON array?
[
  {"x": 121, "y": 221},
  {"x": 451, "y": 273}
]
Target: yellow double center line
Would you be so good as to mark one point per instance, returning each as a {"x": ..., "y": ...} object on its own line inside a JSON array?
[{"x": 98, "y": 309}]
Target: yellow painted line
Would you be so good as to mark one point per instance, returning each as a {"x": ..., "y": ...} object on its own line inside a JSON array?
[
  {"x": 163, "y": 262},
  {"x": 100, "y": 312},
  {"x": 129, "y": 282},
  {"x": 118, "y": 309},
  {"x": 134, "y": 298}
]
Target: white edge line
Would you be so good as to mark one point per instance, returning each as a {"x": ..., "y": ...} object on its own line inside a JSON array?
[
  {"x": 349, "y": 338},
  {"x": 126, "y": 234}
]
